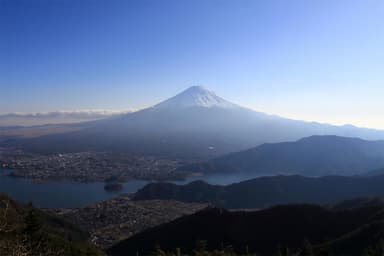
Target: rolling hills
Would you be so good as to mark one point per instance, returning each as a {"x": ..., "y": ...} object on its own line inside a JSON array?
[
  {"x": 311, "y": 156},
  {"x": 267, "y": 191},
  {"x": 325, "y": 231}
]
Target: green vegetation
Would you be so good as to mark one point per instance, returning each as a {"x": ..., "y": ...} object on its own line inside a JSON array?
[
  {"x": 306, "y": 250},
  {"x": 27, "y": 231},
  {"x": 201, "y": 250},
  {"x": 268, "y": 191},
  {"x": 302, "y": 230}
]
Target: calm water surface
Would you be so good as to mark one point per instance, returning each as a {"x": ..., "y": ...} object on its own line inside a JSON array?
[
  {"x": 60, "y": 193},
  {"x": 68, "y": 194}
]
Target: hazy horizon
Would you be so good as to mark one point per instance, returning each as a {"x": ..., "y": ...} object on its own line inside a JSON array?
[
  {"x": 312, "y": 61},
  {"x": 83, "y": 115},
  {"x": 251, "y": 127}
]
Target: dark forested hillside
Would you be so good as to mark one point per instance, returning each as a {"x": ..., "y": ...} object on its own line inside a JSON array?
[
  {"x": 264, "y": 231},
  {"x": 268, "y": 191},
  {"x": 27, "y": 231}
]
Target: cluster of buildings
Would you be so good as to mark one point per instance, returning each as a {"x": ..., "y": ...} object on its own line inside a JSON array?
[
  {"x": 119, "y": 218},
  {"x": 91, "y": 166}
]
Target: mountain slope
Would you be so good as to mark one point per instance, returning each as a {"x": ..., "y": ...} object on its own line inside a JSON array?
[
  {"x": 266, "y": 191},
  {"x": 195, "y": 96},
  {"x": 375, "y": 172},
  {"x": 25, "y": 230},
  {"x": 194, "y": 124},
  {"x": 314, "y": 156},
  {"x": 261, "y": 232}
]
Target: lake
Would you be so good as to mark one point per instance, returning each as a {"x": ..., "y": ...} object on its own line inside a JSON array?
[
  {"x": 58, "y": 194},
  {"x": 68, "y": 194}
]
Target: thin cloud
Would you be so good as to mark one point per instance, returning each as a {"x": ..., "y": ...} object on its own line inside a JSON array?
[{"x": 57, "y": 117}]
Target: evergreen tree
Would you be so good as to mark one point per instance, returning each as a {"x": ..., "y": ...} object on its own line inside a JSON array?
[
  {"x": 200, "y": 248},
  {"x": 369, "y": 252},
  {"x": 36, "y": 240},
  {"x": 307, "y": 249},
  {"x": 33, "y": 225},
  {"x": 325, "y": 250}
]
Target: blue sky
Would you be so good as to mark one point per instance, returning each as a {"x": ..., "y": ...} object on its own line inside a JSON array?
[{"x": 312, "y": 60}]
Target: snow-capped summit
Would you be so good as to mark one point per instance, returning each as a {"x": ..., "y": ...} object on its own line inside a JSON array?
[
  {"x": 195, "y": 124},
  {"x": 195, "y": 96}
]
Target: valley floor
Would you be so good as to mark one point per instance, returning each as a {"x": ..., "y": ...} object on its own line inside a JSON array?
[
  {"x": 119, "y": 218},
  {"x": 89, "y": 166}
]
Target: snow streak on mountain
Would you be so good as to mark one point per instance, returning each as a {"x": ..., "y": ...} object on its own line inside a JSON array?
[{"x": 195, "y": 96}]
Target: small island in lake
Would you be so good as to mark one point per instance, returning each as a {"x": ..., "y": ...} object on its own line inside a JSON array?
[{"x": 113, "y": 186}]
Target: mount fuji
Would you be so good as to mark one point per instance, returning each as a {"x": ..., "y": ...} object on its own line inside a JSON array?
[
  {"x": 195, "y": 96},
  {"x": 195, "y": 124}
]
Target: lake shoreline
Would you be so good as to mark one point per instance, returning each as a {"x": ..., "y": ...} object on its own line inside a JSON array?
[{"x": 74, "y": 194}]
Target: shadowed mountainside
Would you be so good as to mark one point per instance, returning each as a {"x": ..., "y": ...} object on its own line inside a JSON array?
[
  {"x": 311, "y": 156},
  {"x": 194, "y": 124},
  {"x": 266, "y": 191},
  {"x": 25, "y": 230},
  {"x": 343, "y": 232}
]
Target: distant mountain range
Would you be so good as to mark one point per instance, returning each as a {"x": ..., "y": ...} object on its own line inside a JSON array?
[
  {"x": 299, "y": 229},
  {"x": 195, "y": 124},
  {"x": 311, "y": 156},
  {"x": 267, "y": 191},
  {"x": 375, "y": 172}
]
